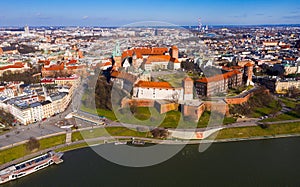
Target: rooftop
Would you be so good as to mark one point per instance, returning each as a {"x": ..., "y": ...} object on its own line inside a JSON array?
[{"x": 148, "y": 84}]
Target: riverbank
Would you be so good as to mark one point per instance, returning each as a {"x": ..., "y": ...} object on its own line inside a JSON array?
[{"x": 104, "y": 140}]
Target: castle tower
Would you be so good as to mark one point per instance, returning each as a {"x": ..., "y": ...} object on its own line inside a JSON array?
[
  {"x": 174, "y": 52},
  {"x": 188, "y": 88},
  {"x": 117, "y": 56},
  {"x": 248, "y": 72}
]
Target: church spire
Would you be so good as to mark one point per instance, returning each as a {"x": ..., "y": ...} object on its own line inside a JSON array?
[{"x": 117, "y": 50}]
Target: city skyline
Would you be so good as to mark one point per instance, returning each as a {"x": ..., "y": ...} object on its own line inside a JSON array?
[{"x": 118, "y": 13}]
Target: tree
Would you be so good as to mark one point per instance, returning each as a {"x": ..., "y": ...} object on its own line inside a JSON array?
[
  {"x": 32, "y": 144},
  {"x": 188, "y": 66},
  {"x": 6, "y": 118},
  {"x": 160, "y": 133},
  {"x": 293, "y": 92},
  {"x": 133, "y": 107}
]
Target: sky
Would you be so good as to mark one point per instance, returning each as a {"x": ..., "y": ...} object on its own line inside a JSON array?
[{"x": 121, "y": 12}]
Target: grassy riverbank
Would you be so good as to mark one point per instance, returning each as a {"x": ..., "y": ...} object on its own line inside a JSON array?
[
  {"x": 19, "y": 151},
  {"x": 106, "y": 132},
  {"x": 248, "y": 132}
]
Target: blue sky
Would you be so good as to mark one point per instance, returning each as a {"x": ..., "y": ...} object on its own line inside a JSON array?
[{"x": 118, "y": 12}]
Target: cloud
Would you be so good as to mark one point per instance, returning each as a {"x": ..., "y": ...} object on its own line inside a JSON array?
[
  {"x": 294, "y": 17},
  {"x": 38, "y": 15},
  {"x": 44, "y": 17},
  {"x": 85, "y": 17},
  {"x": 260, "y": 14},
  {"x": 240, "y": 16}
]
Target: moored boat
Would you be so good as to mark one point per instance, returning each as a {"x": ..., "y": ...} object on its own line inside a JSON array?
[
  {"x": 30, "y": 166},
  {"x": 120, "y": 143},
  {"x": 137, "y": 142}
]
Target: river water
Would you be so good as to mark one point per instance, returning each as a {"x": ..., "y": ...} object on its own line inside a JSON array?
[{"x": 273, "y": 162}]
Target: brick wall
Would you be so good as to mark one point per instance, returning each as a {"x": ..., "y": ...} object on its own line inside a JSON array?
[
  {"x": 138, "y": 102},
  {"x": 241, "y": 100}
]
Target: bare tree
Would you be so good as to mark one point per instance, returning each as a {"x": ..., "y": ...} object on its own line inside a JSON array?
[{"x": 32, "y": 144}]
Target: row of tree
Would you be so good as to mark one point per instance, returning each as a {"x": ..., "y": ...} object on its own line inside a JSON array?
[{"x": 26, "y": 76}]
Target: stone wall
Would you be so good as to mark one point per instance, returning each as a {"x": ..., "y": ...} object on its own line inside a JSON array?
[
  {"x": 244, "y": 98},
  {"x": 165, "y": 107},
  {"x": 218, "y": 106},
  {"x": 194, "y": 112},
  {"x": 137, "y": 102}
]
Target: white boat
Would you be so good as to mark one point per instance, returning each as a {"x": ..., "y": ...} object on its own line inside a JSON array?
[
  {"x": 30, "y": 166},
  {"x": 137, "y": 142},
  {"x": 120, "y": 143}
]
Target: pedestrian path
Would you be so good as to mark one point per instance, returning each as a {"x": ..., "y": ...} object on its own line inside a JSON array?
[{"x": 69, "y": 137}]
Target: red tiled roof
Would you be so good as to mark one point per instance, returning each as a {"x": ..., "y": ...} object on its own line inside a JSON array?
[
  {"x": 66, "y": 78},
  {"x": 290, "y": 58},
  {"x": 248, "y": 64},
  {"x": 2, "y": 88},
  {"x": 219, "y": 77},
  {"x": 16, "y": 65},
  {"x": 45, "y": 80},
  {"x": 45, "y": 62},
  {"x": 236, "y": 67},
  {"x": 147, "y": 84},
  {"x": 158, "y": 58},
  {"x": 161, "y": 58},
  {"x": 107, "y": 64},
  {"x": 124, "y": 75},
  {"x": 145, "y": 51},
  {"x": 72, "y": 61},
  {"x": 54, "y": 67}
]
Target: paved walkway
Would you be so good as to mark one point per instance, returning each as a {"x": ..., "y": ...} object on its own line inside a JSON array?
[{"x": 69, "y": 137}]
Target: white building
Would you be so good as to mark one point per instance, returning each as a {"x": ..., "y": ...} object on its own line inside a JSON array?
[
  {"x": 157, "y": 90},
  {"x": 21, "y": 111},
  {"x": 157, "y": 62}
]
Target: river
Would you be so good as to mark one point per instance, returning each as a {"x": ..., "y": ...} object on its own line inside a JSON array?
[{"x": 273, "y": 162}]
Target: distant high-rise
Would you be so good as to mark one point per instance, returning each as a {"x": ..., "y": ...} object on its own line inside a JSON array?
[
  {"x": 26, "y": 30},
  {"x": 199, "y": 25}
]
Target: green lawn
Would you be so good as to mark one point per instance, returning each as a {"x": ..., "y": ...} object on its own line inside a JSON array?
[
  {"x": 13, "y": 153},
  {"x": 204, "y": 119},
  {"x": 238, "y": 90},
  {"x": 282, "y": 117},
  {"x": 52, "y": 141},
  {"x": 245, "y": 132},
  {"x": 171, "y": 119},
  {"x": 109, "y": 131},
  {"x": 175, "y": 79},
  {"x": 101, "y": 112},
  {"x": 19, "y": 151},
  {"x": 289, "y": 102},
  {"x": 271, "y": 108},
  {"x": 143, "y": 113},
  {"x": 149, "y": 116}
]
